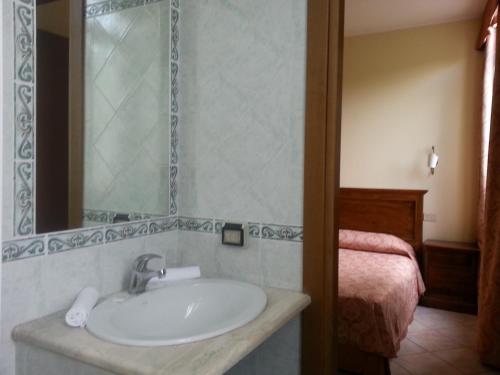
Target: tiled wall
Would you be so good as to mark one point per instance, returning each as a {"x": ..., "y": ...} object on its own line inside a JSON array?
[
  {"x": 264, "y": 262},
  {"x": 242, "y": 103},
  {"x": 127, "y": 112},
  {"x": 38, "y": 286},
  {"x": 242, "y": 100}
]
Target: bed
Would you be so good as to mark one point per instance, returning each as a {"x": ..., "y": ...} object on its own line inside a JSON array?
[{"x": 380, "y": 283}]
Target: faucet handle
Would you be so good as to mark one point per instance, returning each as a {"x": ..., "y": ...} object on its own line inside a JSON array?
[{"x": 141, "y": 262}]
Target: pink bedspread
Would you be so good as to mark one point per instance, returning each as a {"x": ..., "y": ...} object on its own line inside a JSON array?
[{"x": 379, "y": 287}]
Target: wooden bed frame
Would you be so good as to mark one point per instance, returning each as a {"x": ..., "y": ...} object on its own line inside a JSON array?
[{"x": 397, "y": 212}]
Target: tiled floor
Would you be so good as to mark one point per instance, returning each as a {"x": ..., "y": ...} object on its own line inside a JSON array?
[{"x": 439, "y": 343}]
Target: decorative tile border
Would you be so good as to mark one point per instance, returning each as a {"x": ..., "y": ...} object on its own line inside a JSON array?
[
  {"x": 108, "y": 217},
  {"x": 218, "y": 224},
  {"x": 174, "y": 169},
  {"x": 74, "y": 240},
  {"x": 254, "y": 230},
  {"x": 120, "y": 232},
  {"x": 279, "y": 232},
  {"x": 174, "y": 105},
  {"x": 282, "y": 232},
  {"x": 98, "y": 9},
  {"x": 196, "y": 224},
  {"x": 23, "y": 198},
  {"x": 24, "y": 109},
  {"x": 54, "y": 243},
  {"x": 24, "y": 31},
  {"x": 163, "y": 225},
  {"x": 22, "y": 249},
  {"x": 24, "y": 117},
  {"x": 174, "y": 139},
  {"x": 110, "y": 6},
  {"x": 97, "y": 216}
]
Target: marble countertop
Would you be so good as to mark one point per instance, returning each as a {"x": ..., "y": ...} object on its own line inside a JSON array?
[{"x": 209, "y": 357}]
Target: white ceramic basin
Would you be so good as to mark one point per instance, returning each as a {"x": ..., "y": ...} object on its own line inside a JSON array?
[{"x": 179, "y": 313}]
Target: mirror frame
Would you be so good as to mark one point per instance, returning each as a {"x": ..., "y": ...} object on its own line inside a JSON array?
[{"x": 24, "y": 204}]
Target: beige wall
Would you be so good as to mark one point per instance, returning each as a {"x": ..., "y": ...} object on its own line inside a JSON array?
[{"x": 404, "y": 92}]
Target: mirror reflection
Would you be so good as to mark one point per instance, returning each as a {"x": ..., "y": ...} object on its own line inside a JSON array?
[{"x": 103, "y": 113}]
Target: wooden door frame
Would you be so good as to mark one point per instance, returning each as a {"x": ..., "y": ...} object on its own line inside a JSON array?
[
  {"x": 76, "y": 116},
  {"x": 321, "y": 184}
]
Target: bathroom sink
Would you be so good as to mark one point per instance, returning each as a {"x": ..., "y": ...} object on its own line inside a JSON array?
[{"x": 179, "y": 313}]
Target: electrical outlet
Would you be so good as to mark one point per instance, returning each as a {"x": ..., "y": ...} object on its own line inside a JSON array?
[{"x": 430, "y": 217}]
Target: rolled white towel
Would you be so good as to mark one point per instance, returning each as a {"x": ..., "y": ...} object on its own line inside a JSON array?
[
  {"x": 79, "y": 312},
  {"x": 174, "y": 274}
]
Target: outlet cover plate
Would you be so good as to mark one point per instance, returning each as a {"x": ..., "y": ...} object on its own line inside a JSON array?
[{"x": 430, "y": 217}]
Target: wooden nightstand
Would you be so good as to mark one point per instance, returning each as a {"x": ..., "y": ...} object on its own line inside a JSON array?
[{"x": 450, "y": 271}]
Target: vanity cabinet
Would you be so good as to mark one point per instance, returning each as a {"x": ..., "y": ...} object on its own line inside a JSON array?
[{"x": 47, "y": 346}]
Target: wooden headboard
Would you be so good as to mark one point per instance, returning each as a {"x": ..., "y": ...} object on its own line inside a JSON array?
[{"x": 397, "y": 212}]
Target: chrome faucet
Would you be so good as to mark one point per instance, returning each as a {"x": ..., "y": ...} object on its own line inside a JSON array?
[{"x": 141, "y": 274}]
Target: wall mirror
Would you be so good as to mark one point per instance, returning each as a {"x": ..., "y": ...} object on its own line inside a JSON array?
[{"x": 102, "y": 115}]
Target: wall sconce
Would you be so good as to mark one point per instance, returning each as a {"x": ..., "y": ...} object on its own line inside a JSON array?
[{"x": 433, "y": 160}]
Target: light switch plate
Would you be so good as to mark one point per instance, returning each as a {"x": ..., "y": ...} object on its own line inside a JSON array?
[{"x": 235, "y": 233}]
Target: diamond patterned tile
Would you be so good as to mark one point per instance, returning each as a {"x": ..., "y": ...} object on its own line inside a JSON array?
[
  {"x": 145, "y": 27},
  {"x": 128, "y": 126},
  {"x": 98, "y": 47},
  {"x": 140, "y": 111},
  {"x": 98, "y": 178},
  {"x": 161, "y": 7},
  {"x": 117, "y": 148},
  {"x": 98, "y": 111},
  {"x": 158, "y": 77},
  {"x": 117, "y": 78},
  {"x": 118, "y": 23},
  {"x": 154, "y": 145}
]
